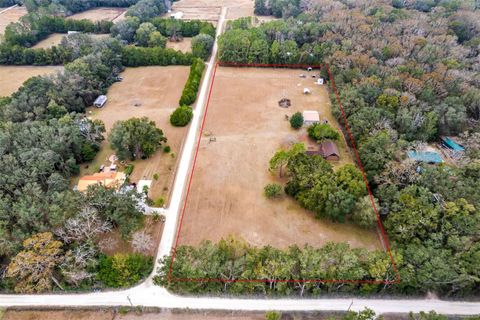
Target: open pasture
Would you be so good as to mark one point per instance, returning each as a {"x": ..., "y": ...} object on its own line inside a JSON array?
[{"x": 243, "y": 129}]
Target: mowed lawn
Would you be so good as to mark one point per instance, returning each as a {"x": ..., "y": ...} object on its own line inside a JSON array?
[
  {"x": 151, "y": 92},
  {"x": 244, "y": 127},
  {"x": 12, "y": 77}
]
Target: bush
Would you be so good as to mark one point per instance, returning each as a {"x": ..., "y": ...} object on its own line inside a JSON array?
[
  {"x": 167, "y": 149},
  {"x": 272, "y": 190},
  {"x": 181, "y": 116},
  {"x": 160, "y": 202},
  {"x": 124, "y": 270},
  {"x": 155, "y": 176},
  {"x": 129, "y": 169},
  {"x": 321, "y": 132},
  {"x": 296, "y": 121}
]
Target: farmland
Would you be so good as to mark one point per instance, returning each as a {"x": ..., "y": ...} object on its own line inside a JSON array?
[
  {"x": 244, "y": 127},
  {"x": 8, "y": 16},
  {"x": 151, "y": 92},
  {"x": 97, "y": 14},
  {"x": 12, "y": 77}
]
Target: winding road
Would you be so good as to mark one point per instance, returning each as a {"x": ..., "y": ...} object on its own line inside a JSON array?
[{"x": 147, "y": 294}]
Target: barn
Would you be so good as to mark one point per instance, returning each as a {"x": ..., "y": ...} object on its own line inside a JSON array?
[
  {"x": 310, "y": 117},
  {"x": 329, "y": 151}
]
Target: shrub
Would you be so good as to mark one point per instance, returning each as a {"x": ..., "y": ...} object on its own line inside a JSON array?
[
  {"x": 129, "y": 169},
  {"x": 321, "y": 132},
  {"x": 272, "y": 190},
  {"x": 167, "y": 149},
  {"x": 181, "y": 116},
  {"x": 159, "y": 202},
  {"x": 296, "y": 121},
  {"x": 124, "y": 270},
  {"x": 155, "y": 176}
]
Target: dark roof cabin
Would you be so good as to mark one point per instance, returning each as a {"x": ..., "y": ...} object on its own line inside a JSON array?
[{"x": 329, "y": 151}]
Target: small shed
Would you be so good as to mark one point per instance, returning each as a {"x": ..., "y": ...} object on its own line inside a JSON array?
[
  {"x": 329, "y": 151},
  {"x": 306, "y": 91},
  {"x": 72, "y": 32},
  {"x": 310, "y": 117},
  {"x": 320, "y": 81},
  {"x": 177, "y": 15},
  {"x": 425, "y": 156},
  {"x": 100, "y": 101},
  {"x": 450, "y": 144}
]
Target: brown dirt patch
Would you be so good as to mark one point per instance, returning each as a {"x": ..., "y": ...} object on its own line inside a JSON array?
[
  {"x": 9, "y": 16},
  {"x": 153, "y": 228},
  {"x": 97, "y": 14},
  {"x": 185, "y": 45},
  {"x": 157, "y": 91},
  {"x": 227, "y": 190},
  {"x": 58, "y": 315},
  {"x": 12, "y": 77},
  {"x": 55, "y": 39}
]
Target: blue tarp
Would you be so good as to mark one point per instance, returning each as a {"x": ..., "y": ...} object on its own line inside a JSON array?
[
  {"x": 452, "y": 144},
  {"x": 428, "y": 157}
]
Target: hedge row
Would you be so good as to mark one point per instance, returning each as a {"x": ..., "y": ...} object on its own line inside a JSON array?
[
  {"x": 156, "y": 56},
  {"x": 189, "y": 94}
]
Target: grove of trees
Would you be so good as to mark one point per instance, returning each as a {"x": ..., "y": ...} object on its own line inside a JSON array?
[{"x": 135, "y": 138}]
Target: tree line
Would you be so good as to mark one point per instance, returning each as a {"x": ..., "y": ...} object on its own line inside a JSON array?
[{"x": 236, "y": 262}]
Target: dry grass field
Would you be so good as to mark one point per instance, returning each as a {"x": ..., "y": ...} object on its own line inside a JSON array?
[
  {"x": 185, "y": 45},
  {"x": 12, "y": 77},
  {"x": 55, "y": 39},
  {"x": 155, "y": 91},
  {"x": 8, "y": 16},
  {"x": 97, "y": 14},
  {"x": 165, "y": 314},
  {"x": 226, "y": 195}
]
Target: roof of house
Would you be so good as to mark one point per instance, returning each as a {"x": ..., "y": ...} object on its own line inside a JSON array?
[
  {"x": 107, "y": 179},
  {"x": 101, "y": 99},
  {"x": 328, "y": 148},
  {"x": 425, "y": 156},
  {"x": 452, "y": 144},
  {"x": 311, "y": 116}
]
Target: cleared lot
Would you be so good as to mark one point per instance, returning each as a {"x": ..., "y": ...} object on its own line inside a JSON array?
[
  {"x": 9, "y": 15},
  {"x": 151, "y": 92},
  {"x": 226, "y": 195},
  {"x": 97, "y": 14},
  {"x": 12, "y": 77},
  {"x": 55, "y": 39},
  {"x": 185, "y": 45}
]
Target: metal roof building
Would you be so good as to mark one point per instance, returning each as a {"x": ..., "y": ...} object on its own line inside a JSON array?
[{"x": 426, "y": 157}]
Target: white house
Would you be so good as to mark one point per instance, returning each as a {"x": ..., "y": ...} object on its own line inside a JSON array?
[
  {"x": 310, "y": 117},
  {"x": 100, "y": 101}
]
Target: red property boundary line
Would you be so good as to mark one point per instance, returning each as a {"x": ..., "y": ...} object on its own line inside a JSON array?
[{"x": 352, "y": 141}]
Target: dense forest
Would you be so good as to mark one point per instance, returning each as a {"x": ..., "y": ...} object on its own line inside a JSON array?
[
  {"x": 50, "y": 234},
  {"x": 408, "y": 72}
]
